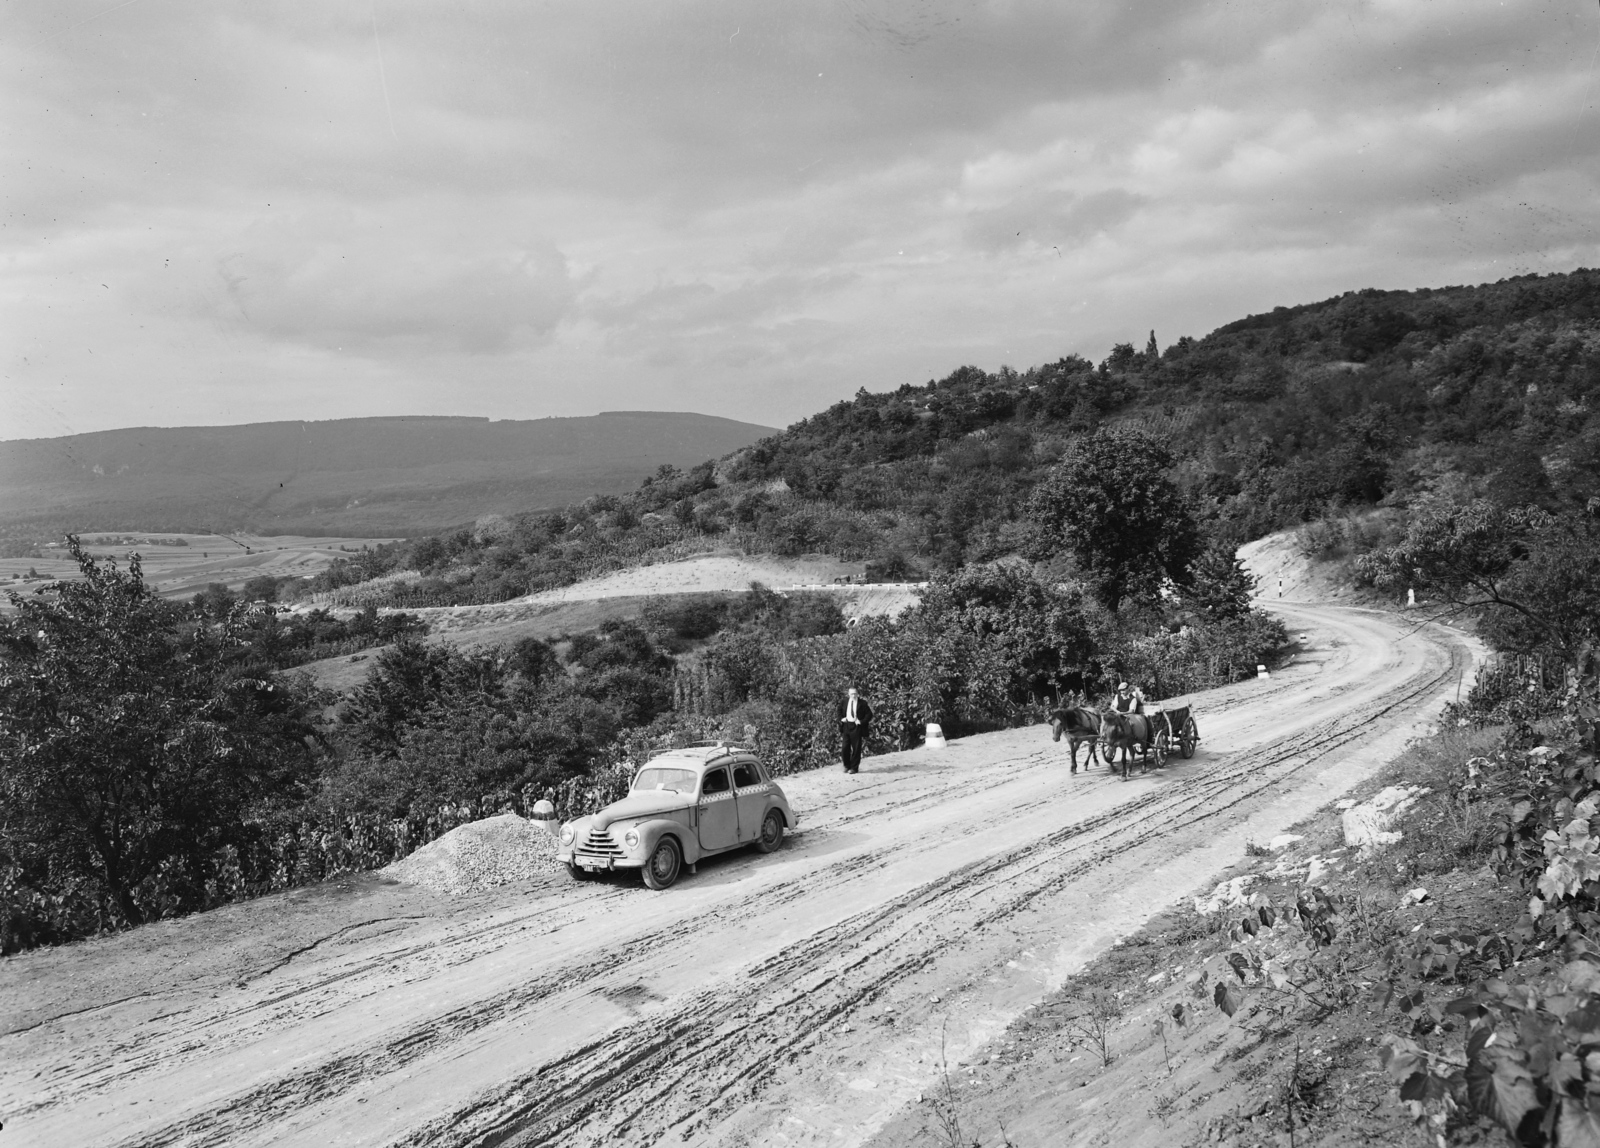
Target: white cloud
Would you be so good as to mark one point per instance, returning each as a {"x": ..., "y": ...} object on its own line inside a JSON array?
[
  {"x": 228, "y": 212},
  {"x": 407, "y": 282}
]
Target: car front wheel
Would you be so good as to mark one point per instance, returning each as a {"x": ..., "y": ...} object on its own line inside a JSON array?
[
  {"x": 771, "y": 832},
  {"x": 579, "y": 873},
  {"x": 664, "y": 865}
]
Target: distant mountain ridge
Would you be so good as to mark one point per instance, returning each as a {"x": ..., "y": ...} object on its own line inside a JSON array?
[{"x": 366, "y": 476}]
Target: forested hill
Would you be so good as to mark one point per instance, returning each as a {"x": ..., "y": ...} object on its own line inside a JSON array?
[
  {"x": 1274, "y": 419},
  {"x": 1393, "y": 397}
]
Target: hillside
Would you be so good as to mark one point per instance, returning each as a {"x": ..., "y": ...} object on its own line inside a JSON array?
[
  {"x": 1310, "y": 414},
  {"x": 365, "y": 477}
]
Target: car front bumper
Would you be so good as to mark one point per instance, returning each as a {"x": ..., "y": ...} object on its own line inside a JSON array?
[{"x": 596, "y": 864}]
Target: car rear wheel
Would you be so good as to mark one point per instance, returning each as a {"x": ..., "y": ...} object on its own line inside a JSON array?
[
  {"x": 771, "y": 832},
  {"x": 664, "y": 865}
]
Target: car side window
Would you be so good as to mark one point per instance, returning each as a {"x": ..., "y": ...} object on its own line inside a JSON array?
[
  {"x": 716, "y": 782},
  {"x": 745, "y": 774}
]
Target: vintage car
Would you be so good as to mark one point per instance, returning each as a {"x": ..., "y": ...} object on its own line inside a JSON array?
[{"x": 684, "y": 804}]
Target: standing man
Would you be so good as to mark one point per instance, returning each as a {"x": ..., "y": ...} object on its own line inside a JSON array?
[{"x": 855, "y": 715}]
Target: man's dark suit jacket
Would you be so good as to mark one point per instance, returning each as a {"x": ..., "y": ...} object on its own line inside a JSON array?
[{"x": 863, "y": 712}]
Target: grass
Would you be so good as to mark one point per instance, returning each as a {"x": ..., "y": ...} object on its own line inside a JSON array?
[{"x": 1453, "y": 826}]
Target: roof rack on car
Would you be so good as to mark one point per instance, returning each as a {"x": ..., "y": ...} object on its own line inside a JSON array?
[{"x": 727, "y": 747}]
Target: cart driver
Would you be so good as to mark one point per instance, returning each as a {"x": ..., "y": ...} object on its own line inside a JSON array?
[{"x": 1128, "y": 700}]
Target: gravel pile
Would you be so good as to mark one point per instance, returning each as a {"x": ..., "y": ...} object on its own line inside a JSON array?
[{"x": 479, "y": 855}]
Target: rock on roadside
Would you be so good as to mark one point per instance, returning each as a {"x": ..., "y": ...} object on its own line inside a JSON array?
[
  {"x": 1227, "y": 895},
  {"x": 1368, "y": 825}
]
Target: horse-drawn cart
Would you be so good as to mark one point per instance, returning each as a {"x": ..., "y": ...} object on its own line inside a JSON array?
[{"x": 1151, "y": 736}]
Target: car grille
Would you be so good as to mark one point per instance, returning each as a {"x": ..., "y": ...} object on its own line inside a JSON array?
[{"x": 599, "y": 844}]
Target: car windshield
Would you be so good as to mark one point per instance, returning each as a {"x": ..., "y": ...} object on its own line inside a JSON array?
[{"x": 657, "y": 777}]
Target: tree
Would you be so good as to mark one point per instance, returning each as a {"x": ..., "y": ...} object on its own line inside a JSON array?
[
  {"x": 130, "y": 747},
  {"x": 1533, "y": 577},
  {"x": 534, "y": 659},
  {"x": 1110, "y": 502},
  {"x": 215, "y": 601},
  {"x": 406, "y": 677},
  {"x": 1027, "y": 634},
  {"x": 1220, "y": 587},
  {"x": 261, "y": 588}
]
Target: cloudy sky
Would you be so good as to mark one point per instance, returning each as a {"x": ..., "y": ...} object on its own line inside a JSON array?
[{"x": 224, "y": 212}]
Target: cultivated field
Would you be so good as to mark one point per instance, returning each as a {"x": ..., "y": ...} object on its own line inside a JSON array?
[{"x": 177, "y": 570}]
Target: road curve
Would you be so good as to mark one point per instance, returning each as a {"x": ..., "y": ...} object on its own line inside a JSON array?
[{"x": 798, "y": 998}]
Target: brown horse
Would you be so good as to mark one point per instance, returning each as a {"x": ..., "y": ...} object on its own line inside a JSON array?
[
  {"x": 1126, "y": 732},
  {"x": 1079, "y": 724}
]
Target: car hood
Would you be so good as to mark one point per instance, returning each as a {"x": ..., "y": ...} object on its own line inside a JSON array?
[{"x": 646, "y": 804}]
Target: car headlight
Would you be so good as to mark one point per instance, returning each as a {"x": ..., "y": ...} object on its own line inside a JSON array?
[
  {"x": 566, "y": 835},
  {"x": 631, "y": 839}
]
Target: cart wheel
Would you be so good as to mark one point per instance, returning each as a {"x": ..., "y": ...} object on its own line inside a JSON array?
[
  {"x": 1160, "y": 749},
  {"x": 1188, "y": 738}
]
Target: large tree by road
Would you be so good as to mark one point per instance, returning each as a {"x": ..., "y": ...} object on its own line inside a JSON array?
[{"x": 1110, "y": 502}]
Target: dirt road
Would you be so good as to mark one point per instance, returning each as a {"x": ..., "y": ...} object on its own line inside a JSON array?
[{"x": 798, "y": 999}]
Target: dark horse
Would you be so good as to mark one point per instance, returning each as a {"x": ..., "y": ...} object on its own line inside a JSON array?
[
  {"x": 1141, "y": 731},
  {"x": 1080, "y": 724},
  {"x": 1126, "y": 732}
]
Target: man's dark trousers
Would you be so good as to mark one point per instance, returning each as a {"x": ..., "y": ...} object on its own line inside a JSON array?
[{"x": 851, "y": 733}]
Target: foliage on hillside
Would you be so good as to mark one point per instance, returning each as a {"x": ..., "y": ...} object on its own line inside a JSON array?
[
  {"x": 308, "y": 636},
  {"x": 1407, "y": 398}
]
